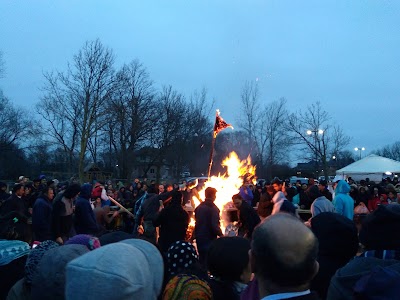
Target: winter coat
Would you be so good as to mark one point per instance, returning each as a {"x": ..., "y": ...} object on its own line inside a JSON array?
[
  {"x": 207, "y": 223},
  {"x": 344, "y": 204},
  {"x": 173, "y": 221},
  {"x": 85, "y": 220},
  {"x": 62, "y": 221},
  {"x": 249, "y": 219},
  {"x": 41, "y": 219}
]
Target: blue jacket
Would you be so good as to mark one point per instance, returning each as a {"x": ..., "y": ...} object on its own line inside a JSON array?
[
  {"x": 41, "y": 219},
  {"x": 246, "y": 194},
  {"x": 344, "y": 204},
  {"x": 85, "y": 220}
]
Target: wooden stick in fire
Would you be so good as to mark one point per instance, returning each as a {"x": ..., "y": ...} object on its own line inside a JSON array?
[{"x": 120, "y": 206}]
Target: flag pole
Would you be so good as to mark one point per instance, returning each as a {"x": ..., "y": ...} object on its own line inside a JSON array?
[
  {"x": 211, "y": 155},
  {"x": 219, "y": 125}
]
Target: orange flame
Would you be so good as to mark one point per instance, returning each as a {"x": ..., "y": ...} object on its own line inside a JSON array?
[{"x": 228, "y": 184}]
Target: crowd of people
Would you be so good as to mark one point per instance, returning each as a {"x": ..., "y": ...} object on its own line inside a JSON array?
[{"x": 65, "y": 240}]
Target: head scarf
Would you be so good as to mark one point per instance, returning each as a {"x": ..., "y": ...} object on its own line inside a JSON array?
[
  {"x": 187, "y": 287},
  {"x": 180, "y": 256}
]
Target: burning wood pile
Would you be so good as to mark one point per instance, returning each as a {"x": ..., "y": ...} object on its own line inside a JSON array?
[{"x": 227, "y": 185}]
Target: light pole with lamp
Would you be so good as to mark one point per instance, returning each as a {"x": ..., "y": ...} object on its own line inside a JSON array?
[
  {"x": 315, "y": 132},
  {"x": 359, "y": 149},
  {"x": 334, "y": 158}
]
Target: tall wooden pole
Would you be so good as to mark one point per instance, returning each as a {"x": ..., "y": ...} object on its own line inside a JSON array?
[{"x": 211, "y": 155}]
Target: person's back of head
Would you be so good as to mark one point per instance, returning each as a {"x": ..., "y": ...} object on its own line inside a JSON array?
[
  {"x": 380, "y": 230},
  {"x": 276, "y": 180},
  {"x": 72, "y": 190},
  {"x": 337, "y": 235},
  {"x": 283, "y": 255},
  {"x": 210, "y": 193},
  {"x": 131, "y": 269},
  {"x": 49, "y": 280},
  {"x": 228, "y": 259},
  {"x": 313, "y": 192}
]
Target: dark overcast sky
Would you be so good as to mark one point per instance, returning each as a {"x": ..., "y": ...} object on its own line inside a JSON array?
[{"x": 342, "y": 53}]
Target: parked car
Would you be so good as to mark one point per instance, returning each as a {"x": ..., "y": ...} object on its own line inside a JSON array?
[{"x": 185, "y": 174}]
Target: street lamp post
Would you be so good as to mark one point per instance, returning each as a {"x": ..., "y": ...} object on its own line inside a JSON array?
[
  {"x": 360, "y": 149},
  {"x": 315, "y": 132}
]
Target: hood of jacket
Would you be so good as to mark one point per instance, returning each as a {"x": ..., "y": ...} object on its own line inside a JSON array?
[
  {"x": 49, "y": 281},
  {"x": 342, "y": 187},
  {"x": 343, "y": 282},
  {"x": 131, "y": 269},
  {"x": 278, "y": 197},
  {"x": 337, "y": 235},
  {"x": 86, "y": 191}
]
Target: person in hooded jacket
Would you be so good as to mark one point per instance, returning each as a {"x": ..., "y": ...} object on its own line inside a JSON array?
[
  {"x": 380, "y": 236},
  {"x": 344, "y": 204},
  {"x": 85, "y": 220},
  {"x": 130, "y": 269},
  {"x": 50, "y": 279},
  {"x": 41, "y": 215},
  {"x": 228, "y": 263},
  {"x": 281, "y": 204},
  {"x": 173, "y": 221},
  {"x": 337, "y": 245},
  {"x": 22, "y": 289},
  {"x": 320, "y": 203}
]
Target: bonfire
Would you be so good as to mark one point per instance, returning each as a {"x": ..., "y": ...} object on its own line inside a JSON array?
[{"x": 227, "y": 185}]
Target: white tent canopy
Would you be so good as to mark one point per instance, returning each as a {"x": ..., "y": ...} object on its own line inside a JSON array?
[{"x": 373, "y": 166}]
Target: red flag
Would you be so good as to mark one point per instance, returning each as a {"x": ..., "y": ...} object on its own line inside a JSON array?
[{"x": 220, "y": 124}]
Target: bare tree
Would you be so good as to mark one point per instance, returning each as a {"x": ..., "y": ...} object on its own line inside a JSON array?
[
  {"x": 264, "y": 125},
  {"x": 132, "y": 113},
  {"x": 14, "y": 123},
  {"x": 272, "y": 139},
  {"x": 312, "y": 131},
  {"x": 390, "y": 151},
  {"x": 249, "y": 115},
  {"x": 62, "y": 122},
  {"x": 80, "y": 96},
  {"x": 168, "y": 128},
  {"x": 191, "y": 151}
]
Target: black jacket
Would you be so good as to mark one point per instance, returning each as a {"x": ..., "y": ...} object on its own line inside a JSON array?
[
  {"x": 61, "y": 220},
  {"x": 14, "y": 203},
  {"x": 207, "y": 223},
  {"x": 249, "y": 219},
  {"x": 173, "y": 221}
]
